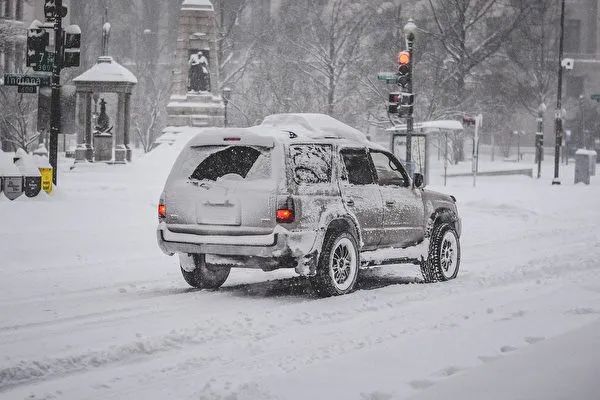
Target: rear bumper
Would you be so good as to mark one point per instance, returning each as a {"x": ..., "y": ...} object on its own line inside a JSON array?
[{"x": 278, "y": 244}]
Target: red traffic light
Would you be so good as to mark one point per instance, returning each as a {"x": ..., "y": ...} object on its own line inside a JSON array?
[
  {"x": 468, "y": 121},
  {"x": 404, "y": 58},
  {"x": 394, "y": 98}
]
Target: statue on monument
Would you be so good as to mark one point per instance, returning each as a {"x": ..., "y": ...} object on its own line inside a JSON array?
[
  {"x": 199, "y": 75},
  {"x": 103, "y": 124}
]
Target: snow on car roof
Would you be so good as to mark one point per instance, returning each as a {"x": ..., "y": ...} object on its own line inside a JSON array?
[
  {"x": 314, "y": 126},
  {"x": 276, "y": 128}
]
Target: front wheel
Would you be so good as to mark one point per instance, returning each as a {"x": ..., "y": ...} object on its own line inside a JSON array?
[
  {"x": 443, "y": 260},
  {"x": 337, "y": 269},
  {"x": 202, "y": 275}
]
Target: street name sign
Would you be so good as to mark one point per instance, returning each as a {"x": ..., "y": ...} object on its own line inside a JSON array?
[
  {"x": 387, "y": 77},
  {"x": 22, "y": 80},
  {"x": 46, "y": 64},
  {"x": 31, "y": 89},
  {"x": 596, "y": 97}
]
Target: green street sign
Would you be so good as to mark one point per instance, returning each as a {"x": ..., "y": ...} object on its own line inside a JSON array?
[
  {"x": 31, "y": 89},
  {"x": 21, "y": 80},
  {"x": 387, "y": 77},
  {"x": 46, "y": 64},
  {"x": 596, "y": 97}
]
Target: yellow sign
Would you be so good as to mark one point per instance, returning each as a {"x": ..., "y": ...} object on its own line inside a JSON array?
[{"x": 46, "y": 179}]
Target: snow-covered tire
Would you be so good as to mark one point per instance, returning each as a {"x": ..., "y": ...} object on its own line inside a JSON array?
[
  {"x": 337, "y": 269},
  {"x": 443, "y": 259},
  {"x": 205, "y": 276}
]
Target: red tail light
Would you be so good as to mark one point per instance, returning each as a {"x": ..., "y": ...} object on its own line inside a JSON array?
[
  {"x": 162, "y": 211},
  {"x": 285, "y": 216}
]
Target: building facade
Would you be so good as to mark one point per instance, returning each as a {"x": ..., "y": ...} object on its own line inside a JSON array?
[{"x": 582, "y": 44}]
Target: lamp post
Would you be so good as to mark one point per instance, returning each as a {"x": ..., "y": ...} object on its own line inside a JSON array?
[
  {"x": 539, "y": 139},
  {"x": 582, "y": 121},
  {"x": 410, "y": 30},
  {"x": 226, "y": 97},
  {"x": 558, "y": 123}
]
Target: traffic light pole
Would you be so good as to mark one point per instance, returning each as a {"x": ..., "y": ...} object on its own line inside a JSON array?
[
  {"x": 55, "y": 108},
  {"x": 409, "y": 117},
  {"x": 558, "y": 116}
]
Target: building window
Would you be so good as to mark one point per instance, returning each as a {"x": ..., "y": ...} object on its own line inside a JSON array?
[
  {"x": 8, "y": 9},
  {"x": 19, "y": 10},
  {"x": 575, "y": 86},
  {"x": 573, "y": 36}
]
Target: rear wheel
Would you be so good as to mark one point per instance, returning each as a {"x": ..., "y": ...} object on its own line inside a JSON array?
[
  {"x": 443, "y": 260},
  {"x": 337, "y": 269},
  {"x": 205, "y": 276}
]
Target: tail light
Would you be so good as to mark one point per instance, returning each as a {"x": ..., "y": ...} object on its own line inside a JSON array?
[
  {"x": 286, "y": 214},
  {"x": 162, "y": 211}
]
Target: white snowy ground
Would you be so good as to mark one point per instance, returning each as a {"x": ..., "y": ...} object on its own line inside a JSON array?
[{"x": 90, "y": 309}]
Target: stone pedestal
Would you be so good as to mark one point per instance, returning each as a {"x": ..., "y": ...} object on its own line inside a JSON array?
[
  {"x": 197, "y": 32},
  {"x": 201, "y": 110},
  {"x": 103, "y": 147}
]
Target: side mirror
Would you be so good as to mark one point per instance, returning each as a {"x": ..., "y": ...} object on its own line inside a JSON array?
[{"x": 418, "y": 181}]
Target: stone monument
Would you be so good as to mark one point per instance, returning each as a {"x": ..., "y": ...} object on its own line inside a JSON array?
[{"x": 195, "y": 100}]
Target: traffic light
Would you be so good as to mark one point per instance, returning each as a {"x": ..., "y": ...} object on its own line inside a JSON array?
[
  {"x": 50, "y": 11},
  {"x": 404, "y": 69},
  {"x": 37, "y": 41},
  {"x": 407, "y": 102},
  {"x": 468, "y": 121},
  {"x": 393, "y": 103},
  {"x": 72, "y": 54}
]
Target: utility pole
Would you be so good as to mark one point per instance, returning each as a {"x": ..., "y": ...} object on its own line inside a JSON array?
[
  {"x": 558, "y": 115},
  {"x": 55, "y": 108}
]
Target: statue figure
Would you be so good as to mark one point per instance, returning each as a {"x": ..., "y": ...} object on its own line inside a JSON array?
[
  {"x": 103, "y": 123},
  {"x": 199, "y": 75}
]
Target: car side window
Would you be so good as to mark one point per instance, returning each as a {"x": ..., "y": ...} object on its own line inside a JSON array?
[
  {"x": 389, "y": 171},
  {"x": 358, "y": 167}
]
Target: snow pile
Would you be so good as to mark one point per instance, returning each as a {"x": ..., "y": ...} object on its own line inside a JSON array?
[
  {"x": 26, "y": 164},
  {"x": 7, "y": 166}
]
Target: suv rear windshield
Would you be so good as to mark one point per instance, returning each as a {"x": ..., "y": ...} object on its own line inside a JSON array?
[
  {"x": 230, "y": 163},
  {"x": 311, "y": 163}
]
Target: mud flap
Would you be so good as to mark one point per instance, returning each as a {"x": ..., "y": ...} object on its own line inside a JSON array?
[
  {"x": 187, "y": 262},
  {"x": 307, "y": 265}
]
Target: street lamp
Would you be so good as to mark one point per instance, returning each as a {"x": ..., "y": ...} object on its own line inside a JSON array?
[
  {"x": 226, "y": 97},
  {"x": 410, "y": 30},
  {"x": 539, "y": 139},
  {"x": 558, "y": 122}
]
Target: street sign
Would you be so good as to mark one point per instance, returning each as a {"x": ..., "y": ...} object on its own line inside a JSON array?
[
  {"x": 46, "y": 64},
  {"x": 21, "y": 80},
  {"x": 596, "y": 97},
  {"x": 387, "y": 77},
  {"x": 31, "y": 89}
]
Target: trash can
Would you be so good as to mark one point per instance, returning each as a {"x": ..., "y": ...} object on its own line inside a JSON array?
[
  {"x": 46, "y": 172},
  {"x": 583, "y": 165},
  {"x": 32, "y": 179},
  {"x": 12, "y": 179}
]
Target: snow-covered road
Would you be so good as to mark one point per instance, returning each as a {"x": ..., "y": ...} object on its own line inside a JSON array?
[{"x": 90, "y": 308}]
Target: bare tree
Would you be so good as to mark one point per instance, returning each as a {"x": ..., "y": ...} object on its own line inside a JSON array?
[
  {"x": 16, "y": 119},
  {"x": 532, "y": 53}
]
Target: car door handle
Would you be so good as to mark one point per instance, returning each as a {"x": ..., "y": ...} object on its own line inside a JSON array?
[
  {"x": 390, "y": 203},
  {"x": 350, "y": 202}
]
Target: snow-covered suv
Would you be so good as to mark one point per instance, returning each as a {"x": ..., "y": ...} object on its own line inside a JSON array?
[{"x": 301, "y": 191}]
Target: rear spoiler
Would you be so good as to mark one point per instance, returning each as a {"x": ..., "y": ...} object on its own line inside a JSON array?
[{"x": 232, "y": 140}]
